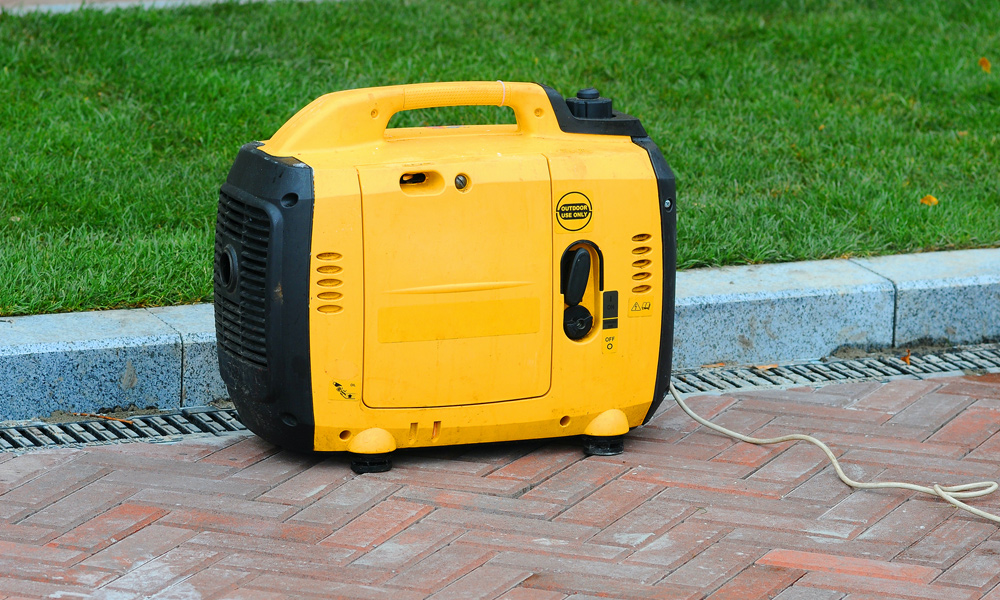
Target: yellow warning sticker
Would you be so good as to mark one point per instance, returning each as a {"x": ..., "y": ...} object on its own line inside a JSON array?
[{"x": 639, "y": 306}]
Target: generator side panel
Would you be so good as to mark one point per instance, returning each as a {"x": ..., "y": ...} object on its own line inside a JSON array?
[
  {"x": 458, "y": 280},
  {"x": 336, "y": 306},
  {"x": 605, "y": 201}
]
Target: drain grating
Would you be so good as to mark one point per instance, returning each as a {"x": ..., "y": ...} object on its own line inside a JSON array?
[
  {"x": 98, "y": 431},
  {"x": 207, "y": 420},
  {"x": 978, "y": 359}
]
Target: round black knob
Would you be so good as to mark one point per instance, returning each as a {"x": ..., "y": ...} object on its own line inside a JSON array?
[
  {"x": 577, "y": 322},
  {"x": 588, "y": 94}
]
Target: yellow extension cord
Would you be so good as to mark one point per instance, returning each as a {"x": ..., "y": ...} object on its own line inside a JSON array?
[{"x": 950, "y": 493}]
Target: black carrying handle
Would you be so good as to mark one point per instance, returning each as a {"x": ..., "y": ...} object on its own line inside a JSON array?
[{"x": 577, "y": 276}]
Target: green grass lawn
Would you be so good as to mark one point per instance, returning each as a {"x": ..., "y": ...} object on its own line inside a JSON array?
[{"x": 797, "y": 130}]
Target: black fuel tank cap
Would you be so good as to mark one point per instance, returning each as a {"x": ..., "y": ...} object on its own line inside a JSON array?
[{"x": 589, "y": 104}]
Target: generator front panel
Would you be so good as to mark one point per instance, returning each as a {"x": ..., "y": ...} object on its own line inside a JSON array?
[{"x": 477, "y": 284}]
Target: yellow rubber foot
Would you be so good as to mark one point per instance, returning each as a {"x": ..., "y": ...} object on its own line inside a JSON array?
[
  {"x": 612, "y": 422},
  {"x": 372, "y": 441}
]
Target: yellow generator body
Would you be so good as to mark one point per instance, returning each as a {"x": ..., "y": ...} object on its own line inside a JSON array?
[{"x": 379, "y": 288}]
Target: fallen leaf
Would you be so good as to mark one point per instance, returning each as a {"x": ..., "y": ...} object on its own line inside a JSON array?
[
  {"x": 713, "y": 365},
  {"x": 963, "y": 133},
  {"x": 906, "y": 358},
  {"x": 15, "y": 219},
  {"x": 102, "y": 417},
  {"x": 822, "y": 127},
  {"x": 929, "y": 200},
  {"x": 766, "y": 367},
  {"x": 985, "y": 64}
]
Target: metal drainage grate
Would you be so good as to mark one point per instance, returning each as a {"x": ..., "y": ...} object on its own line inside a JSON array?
[
  {"x": 978, "y": 359},
  {"x": 224, "y": 421},
  {"x": 98, "y": 431}
]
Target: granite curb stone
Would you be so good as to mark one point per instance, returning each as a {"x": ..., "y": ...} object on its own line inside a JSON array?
[
  {"x": 772, "y": 313},
  {"x": 85, "y": 362},
  {"x": 195, "y": 324},
  {"x": 955, "y": 297},
  {"x": 759, "y": 314}
]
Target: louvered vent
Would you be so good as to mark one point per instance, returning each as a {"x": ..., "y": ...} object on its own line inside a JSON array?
[
  {"x": 641, "y": 263},
  {"x": 239, "y": 325},
  {"x": 330, "y": 281}
]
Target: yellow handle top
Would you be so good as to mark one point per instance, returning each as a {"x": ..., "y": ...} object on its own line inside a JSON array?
[
  {"x": 473, "y": 93},
  {"x": 360, "y": 116}
]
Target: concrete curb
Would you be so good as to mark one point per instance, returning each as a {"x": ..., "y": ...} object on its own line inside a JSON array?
[
  {"x": 89, "y": 361},
  {"x": 773, "y": 313},
  {"x": 21, "y": 7},
  {"x": 761, "y": 314}
]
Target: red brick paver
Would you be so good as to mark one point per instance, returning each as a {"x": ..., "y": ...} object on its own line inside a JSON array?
[{"x": 684, "y": 513}]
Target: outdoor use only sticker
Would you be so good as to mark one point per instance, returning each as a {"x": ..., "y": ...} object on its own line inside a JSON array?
[{"x": 574, "y": 211}]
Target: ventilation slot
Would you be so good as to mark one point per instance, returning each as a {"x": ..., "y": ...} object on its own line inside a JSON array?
[
  {"x": 239, "y": 325},
  {"x": 328, "y": 297},
  {"x": 642, "y": 265}
]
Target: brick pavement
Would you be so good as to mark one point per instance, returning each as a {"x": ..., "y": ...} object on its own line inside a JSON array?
[{"x": 683, "y": 514}]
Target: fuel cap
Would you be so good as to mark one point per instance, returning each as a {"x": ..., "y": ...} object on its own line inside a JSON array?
[{"x": 589, "y": 104}]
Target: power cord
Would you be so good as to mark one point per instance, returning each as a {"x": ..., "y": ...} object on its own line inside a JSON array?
[{"x": 950, "y": 493}]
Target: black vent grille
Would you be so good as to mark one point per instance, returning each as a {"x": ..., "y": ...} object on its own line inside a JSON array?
[{"x": 240, "y": 323}]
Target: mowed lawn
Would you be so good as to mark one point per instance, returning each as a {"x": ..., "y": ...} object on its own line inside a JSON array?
[{"x": 797, "y": 130}]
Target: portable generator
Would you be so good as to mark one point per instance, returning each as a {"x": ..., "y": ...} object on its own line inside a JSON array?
[{"x": 394, "y": 288}]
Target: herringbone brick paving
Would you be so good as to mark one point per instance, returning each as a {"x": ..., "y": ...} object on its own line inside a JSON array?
[{"x": 684, "y": 513}]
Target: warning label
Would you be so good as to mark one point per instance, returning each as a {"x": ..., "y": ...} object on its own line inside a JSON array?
[
  {"x": 574, "y": 211},
  {"x": 347, "y": 392},
  {"x": 639, "y": 307}
]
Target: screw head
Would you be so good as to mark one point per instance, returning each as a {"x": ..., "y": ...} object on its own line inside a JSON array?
[
  {"x": 667, "y": 204},
  {"x": 461, "y": 181}
]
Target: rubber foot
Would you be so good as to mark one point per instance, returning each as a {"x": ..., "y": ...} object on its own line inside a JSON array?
[
  {"x": 370, "y": 463},
  {"x": 603, "y": 446}
]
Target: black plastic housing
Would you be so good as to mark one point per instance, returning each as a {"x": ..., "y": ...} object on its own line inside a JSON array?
[
  {"x": 264, "y": 226},
  {"x": 618, "y": 124},
  {"x": 667, "y": 197}
]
